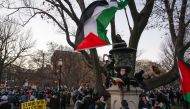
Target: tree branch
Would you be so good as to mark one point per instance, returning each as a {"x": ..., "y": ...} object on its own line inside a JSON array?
[
  {"x": 167, "y": 78},
  {"x": 87, "y": 57},
  {"x": 72, "y": 10},
  {"x": 66, "y": 27},
  {"x": 146, "y": 11},
  {"x": 43, "y": 12},
  {"x": 182, "y": 26},
  {"x": 173, "y": 4},
  {"x": 13, "y": 12},
  {"x": 133, "y": 10},
  {"x": 141, "y": 23},
  {"x": 182, "y": 13},
  {"x": 30, "y": 18},
  {"x": 67, "y": 32},
  {"x": 68, "y": 12},
  {"x": 187, "y": 23},
  {"x": 130, "y": 29},
  {"x": 81, "y": 4},
  {"x": 171, "y": 21},
  {"x": 53, "y": 3}
]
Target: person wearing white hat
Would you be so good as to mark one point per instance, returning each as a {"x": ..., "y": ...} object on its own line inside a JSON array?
[
  {"x": 4, "y": 98},
  {"x": 4, "y": 104}
]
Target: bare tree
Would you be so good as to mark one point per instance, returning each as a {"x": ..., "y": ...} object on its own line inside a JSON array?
[
  {"x": 38, "y": 59},
  {"x": 75, "y": 70},
  {"x": 63, "y": 13},
  {"x": 167, "y": 54},
  {"x": 140, "y": 19},
  {"x": 174, "y": 15},
  {"x": 14, "y": 43},
  {"x": 42, "y": 58}
]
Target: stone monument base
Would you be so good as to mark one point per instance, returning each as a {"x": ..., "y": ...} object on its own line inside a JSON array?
[{"x": 131, "y": 96}]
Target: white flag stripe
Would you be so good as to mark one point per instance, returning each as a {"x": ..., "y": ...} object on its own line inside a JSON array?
[{"x": 90, "y": 26}]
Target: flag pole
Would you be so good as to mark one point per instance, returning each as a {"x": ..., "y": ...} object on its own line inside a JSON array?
[{"x": 130, "y": 29}]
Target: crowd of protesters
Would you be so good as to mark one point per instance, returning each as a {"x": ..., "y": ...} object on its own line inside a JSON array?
[
  {"x": 83, "y": 97},
  {"x": 163, "y": 98},
  {"x": 11, "y": 98}
]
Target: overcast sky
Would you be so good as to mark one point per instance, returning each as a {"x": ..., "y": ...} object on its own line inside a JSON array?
[{"x": 150, "y": 41}]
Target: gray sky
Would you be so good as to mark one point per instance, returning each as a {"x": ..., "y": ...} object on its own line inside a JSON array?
[{"x": 150, "y": 41}]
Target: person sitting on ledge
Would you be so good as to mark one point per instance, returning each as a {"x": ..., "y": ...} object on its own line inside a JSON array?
[
  {"x": 124, "y": 104},
  {"x": 124, "y": 76}
]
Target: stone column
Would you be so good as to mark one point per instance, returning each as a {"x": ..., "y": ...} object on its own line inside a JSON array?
[{"x": 131, "y": 96}]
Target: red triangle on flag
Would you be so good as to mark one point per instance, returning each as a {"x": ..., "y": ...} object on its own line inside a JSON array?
[
  {"x": 184, "y": 76},
  {"x": 91, "y": 41}
]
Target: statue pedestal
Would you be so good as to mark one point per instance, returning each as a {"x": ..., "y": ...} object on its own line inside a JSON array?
[{"x": 131, "y": 96}]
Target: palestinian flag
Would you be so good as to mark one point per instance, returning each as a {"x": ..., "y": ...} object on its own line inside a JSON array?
[
  {"x": 118, "y": 80},
  {"x": 184, "y": 71},
  {"x": 91, "y": 32}
]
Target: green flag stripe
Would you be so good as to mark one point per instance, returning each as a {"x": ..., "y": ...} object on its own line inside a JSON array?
[
  {"x": 105, "y": 17},
  {"x": 102, "y": 22},
  {"x": 187, "y": 97},
  {"x": 122, "y": 4}
]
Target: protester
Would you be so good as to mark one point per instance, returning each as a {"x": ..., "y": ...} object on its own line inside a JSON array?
[
  {"x": 68, "y": 98},
  {"x": 100, "y": 103},
  {"x": 54, "y": 102},
  {"x": 159, "y": 105},
  {"x": 144, "y": 103},
  {"x": 89, "y": 102},
  {"x": 124, "y": 104},
  {"x": 79, "y": 103},
  {"x": 63, "y": 100},
  {"x": 4, "y": 104}
]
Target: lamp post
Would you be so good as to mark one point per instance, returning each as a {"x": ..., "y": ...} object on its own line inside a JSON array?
[{"x": 60, "y": 63}]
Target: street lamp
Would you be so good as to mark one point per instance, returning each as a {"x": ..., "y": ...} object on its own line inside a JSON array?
[{"x": 60, "y": 63}]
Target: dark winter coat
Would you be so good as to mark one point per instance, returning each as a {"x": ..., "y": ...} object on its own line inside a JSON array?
[
  {"x": 100, "y": 105},
  {"x": 89, "y": 103},
  {"x": 79, "y": 105},
  {"x": 5, "y": 105}
]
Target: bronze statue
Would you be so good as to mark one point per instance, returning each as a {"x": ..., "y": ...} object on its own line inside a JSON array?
[{"x": 119, "y": 42}]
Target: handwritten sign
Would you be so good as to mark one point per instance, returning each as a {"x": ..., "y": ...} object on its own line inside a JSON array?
[{"x": 36, "y": 104}]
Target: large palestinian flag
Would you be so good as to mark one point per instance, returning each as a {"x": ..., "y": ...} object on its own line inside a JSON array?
[
  {"x": 184, "y": 71},
  {"x": 91, "y": 32}
]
